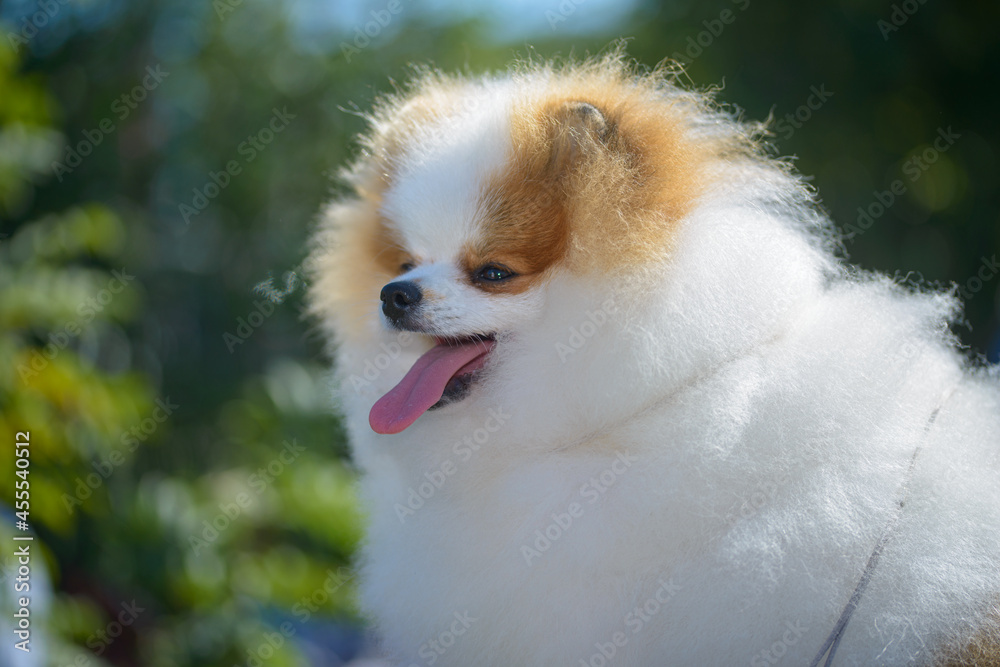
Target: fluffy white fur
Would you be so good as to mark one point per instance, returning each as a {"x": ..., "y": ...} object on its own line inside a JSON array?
[{"x": 767, "y": 398}]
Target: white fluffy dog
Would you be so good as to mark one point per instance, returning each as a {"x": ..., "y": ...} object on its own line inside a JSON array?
[{"x": 617, "y": 402}]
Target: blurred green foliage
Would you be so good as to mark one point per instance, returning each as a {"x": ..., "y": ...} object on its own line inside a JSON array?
[
  {"x": 186, "y": 505},
  {"x": 144, "y": 193}
]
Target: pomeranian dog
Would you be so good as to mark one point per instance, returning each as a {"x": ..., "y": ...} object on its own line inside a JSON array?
[{"x": 616, "y": 400}]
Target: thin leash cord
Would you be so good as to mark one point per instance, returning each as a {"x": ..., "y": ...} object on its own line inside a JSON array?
[{"x": 829, "y": 648}]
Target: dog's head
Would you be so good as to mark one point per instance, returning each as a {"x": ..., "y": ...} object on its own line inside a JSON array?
[{"x": 491, "y": 219}]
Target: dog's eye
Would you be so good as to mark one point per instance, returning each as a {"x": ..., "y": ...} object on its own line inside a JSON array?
[
  {"x": 406, "y": 267},
  {"x": 494, "y": 273}
]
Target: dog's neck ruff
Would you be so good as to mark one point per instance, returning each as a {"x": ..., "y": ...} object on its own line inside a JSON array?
[{"x": 829, "y": 647}]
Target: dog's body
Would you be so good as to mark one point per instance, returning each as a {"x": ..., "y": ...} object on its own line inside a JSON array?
[{"x": 692, "y": 425}]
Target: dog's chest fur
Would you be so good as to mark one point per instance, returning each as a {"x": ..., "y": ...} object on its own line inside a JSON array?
[{"x": 621, "y": 538}]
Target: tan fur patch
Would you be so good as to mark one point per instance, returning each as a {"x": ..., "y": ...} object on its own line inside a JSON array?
[
  {"x": 600, "y": 189},
  {"x": 526, "y": 220},
  {"x": 982, "y": 651},
  {"x": 355, "y": 255},
  {"x": 387, "y": 248},
  {"x": 974, "y": 655}
]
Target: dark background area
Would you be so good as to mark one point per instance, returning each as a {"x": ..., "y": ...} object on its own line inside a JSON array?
[{"x": 232, "y": 521}]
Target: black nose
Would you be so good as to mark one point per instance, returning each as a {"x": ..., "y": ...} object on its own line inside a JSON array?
[{"x": 399, "y": 298}]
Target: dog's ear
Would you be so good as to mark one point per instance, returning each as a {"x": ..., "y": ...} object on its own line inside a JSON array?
[
  {"x": 579, "y": 128},
  {"x": 582, "y": 118}
]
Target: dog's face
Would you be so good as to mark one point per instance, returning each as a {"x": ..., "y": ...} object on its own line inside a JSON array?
[
  {"x": 473, "y": 199},
  {"x": 472, "y": 257}
]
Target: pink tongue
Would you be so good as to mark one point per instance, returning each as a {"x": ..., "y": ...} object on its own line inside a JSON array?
[{"x": 424, "y": 384}]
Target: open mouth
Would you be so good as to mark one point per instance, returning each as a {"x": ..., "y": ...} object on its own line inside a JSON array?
[{"x": 444, "y": 374}]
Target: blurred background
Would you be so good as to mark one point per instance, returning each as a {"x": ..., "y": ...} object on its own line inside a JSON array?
[{"x": 161, "y": 165}]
